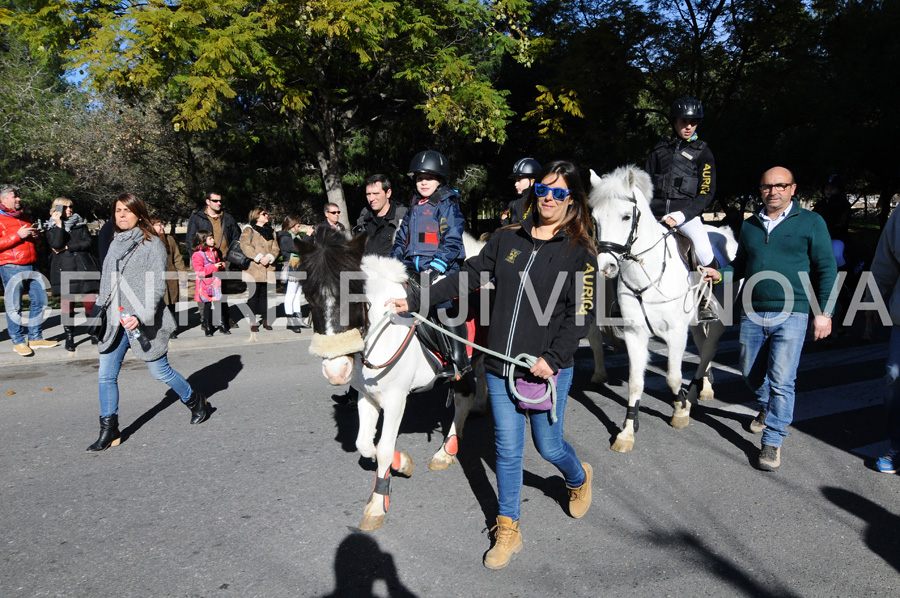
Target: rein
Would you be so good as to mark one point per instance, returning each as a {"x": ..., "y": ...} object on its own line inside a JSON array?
[{"x": 522, "y": 360}]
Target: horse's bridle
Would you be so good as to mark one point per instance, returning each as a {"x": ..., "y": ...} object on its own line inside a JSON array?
[{"x": 623, "y": 250}]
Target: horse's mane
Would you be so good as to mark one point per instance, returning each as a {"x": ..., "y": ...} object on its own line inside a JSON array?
[
  {"x": 618, "y": 183},
  {"x": 330, "y": 256}
]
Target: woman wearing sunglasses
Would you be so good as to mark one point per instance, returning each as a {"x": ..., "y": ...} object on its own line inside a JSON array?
[
  {"x": 544, "y": 271},
  {"x": 259, "y": 244}
]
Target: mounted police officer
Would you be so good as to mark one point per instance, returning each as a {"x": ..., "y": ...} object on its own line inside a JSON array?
[
  {"x": 429, "y": 240},
  {"x": 684, "y": 182},
  {"x": 523, "y": 175}
]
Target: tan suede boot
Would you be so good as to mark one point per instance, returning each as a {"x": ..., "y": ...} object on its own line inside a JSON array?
[
  {"x": 507, "y": 542},
  {"x": 580, "y": 498}
]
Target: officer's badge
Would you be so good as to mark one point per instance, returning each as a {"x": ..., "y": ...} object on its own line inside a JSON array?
[{"x": 513, "y": 254}]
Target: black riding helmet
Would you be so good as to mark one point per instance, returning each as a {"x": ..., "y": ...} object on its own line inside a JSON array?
[
  {"x": 430, "y": 162},
  {"x": 687, "y": 108},
  {"x": 525, "y": 168}
]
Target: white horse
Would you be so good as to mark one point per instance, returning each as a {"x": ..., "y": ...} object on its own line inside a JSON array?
[
  {"x": 655, "y": 292},
  {"x": 347, "y": 294}
]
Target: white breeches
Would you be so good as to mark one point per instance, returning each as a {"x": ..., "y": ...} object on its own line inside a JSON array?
[{"x": 694, "y": 229}]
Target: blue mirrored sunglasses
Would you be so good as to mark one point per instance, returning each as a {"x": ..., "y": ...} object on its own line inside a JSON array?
[{"x": 558, "y": 194}]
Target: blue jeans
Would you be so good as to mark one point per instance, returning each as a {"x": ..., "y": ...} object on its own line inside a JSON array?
[
  {"x": 18, "y": 280},
  {"x": 770, "y": 354},
  {"x": 111, "y": 363},
  {"x": 509, "y": 439},
  {"x": 892, "y": 389}
]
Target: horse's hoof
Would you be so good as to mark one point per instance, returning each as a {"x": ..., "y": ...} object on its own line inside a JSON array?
[
  {"x": 706, "y": 395},
  {"x": 407, "y": 465},
  {"x": 441, "y": 463},
  {"x": 599, "y": 381},
  {"x": 371, "y": 522},
  {"x": 622, "y": 446},
  {"x": 680, "y": 422}
]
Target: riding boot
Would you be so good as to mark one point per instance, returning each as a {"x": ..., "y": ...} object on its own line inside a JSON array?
[
  {"x": 208, "y": 327},
  {"x": 109, "y": 434},
  {"x": 199, "y": 408},
  {"x": 70, "y": 338},
  {"x": 458, "y": 363}
]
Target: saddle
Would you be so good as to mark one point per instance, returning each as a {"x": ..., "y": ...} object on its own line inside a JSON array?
[
  {"x": 436, "y": 342},
  {"x": 686, "y": 250}
]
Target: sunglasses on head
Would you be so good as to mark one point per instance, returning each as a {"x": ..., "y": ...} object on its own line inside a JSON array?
[{"x": 558, "y": 193}]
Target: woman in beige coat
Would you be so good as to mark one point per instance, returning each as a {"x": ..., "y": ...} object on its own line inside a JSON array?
[{"x": 259, "y": 244}]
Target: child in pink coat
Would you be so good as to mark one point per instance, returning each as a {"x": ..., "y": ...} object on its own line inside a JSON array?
[{"x": 207, "y": 260}]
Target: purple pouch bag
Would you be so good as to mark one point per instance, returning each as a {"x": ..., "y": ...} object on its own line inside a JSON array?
[{"x": 535, "y": 390}]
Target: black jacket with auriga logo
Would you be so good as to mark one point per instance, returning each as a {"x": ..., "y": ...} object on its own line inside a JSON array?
[{"x": 544, "y": 299}]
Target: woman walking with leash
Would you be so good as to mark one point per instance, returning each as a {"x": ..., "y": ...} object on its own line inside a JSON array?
[{"x": 543, "y": 270}]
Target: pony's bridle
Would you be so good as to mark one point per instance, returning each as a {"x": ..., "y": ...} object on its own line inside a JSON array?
[{"x": 623, "y": 252}]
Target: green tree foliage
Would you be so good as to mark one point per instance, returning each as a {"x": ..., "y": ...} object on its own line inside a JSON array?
[{"x": 321, "y": 66}]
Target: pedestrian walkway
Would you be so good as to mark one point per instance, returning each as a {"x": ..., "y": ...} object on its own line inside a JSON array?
[{"x": 190, "y": 337}]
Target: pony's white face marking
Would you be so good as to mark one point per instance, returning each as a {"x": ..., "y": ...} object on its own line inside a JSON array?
[{"x": 329, "y": 313}]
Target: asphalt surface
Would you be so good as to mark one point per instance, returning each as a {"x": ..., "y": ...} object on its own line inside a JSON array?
[{"x": 263, "y": 499}]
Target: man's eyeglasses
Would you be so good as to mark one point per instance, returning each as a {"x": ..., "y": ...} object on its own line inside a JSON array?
[
  {"x": 335, "y": 212},
  {"x": 559, "y": 194},
  {"x": 766, "y": 188},
  {"x": 215, "y": 200},
  {"x": 263, "y": 213}
]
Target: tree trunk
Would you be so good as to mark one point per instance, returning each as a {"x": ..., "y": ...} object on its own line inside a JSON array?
[{"x": 328, "y": 160}]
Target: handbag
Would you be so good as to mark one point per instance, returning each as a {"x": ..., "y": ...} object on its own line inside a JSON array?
[
  {"x": 534, "y": 391},
  {"x": 236, "y": 255},
  {"x": 85, "y": 262},
  {"x": 210, "y": 289},
  {"x": 97, "y": 321}
]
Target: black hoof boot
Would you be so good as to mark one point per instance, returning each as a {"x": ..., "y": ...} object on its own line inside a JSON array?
[
  {"x": 199, "y": 408},
  {"x": 109, "y": 434}
]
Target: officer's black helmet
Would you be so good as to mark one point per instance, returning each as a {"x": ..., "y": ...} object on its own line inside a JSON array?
[
  {"x": 687, "y": 108},
  {"x": 430, "y": 162},
  {"x": 525, "y": 168}
]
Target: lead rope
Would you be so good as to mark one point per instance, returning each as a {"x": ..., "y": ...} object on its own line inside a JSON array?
[{"x": 523, "y": 360}]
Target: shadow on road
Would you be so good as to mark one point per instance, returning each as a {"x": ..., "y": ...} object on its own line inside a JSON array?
[
  {"x": 209, "y": 380},
  {"x": 882, "y": 533},
  {"x": 358, "y": 564}
]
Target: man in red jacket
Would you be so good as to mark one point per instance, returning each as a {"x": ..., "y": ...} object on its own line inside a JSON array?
[{"x": 18, "y": 238}]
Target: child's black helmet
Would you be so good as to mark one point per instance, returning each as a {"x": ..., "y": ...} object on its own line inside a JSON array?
[
  {"x": 430, "y": 162},
  {"x": 525, "y": 168}
]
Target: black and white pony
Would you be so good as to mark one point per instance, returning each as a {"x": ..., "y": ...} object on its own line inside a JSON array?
[
  {"x": 655, "y": 292},
  {"x": 347, "y": 294}
]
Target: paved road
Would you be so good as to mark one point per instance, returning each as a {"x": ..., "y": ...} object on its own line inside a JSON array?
[{"x": 264, "y": 498}]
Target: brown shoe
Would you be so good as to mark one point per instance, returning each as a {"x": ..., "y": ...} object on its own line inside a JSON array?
[
  {"x": 759, "y": 423},
  {"x": 254, "y": 327},
  {"x": 507, "y": 542},
  {"x": 580, "y": 498},
  {"x": 769, "y": 457},
  {"x": 42, "y": 344},
  {"x": 23, "y": 349},
  {"x": 266, "y": 325}
]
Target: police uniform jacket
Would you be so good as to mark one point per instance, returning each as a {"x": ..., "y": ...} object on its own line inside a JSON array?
[
  {"x": 562, "y": 276},
  {"x": 684, "y": 177}
]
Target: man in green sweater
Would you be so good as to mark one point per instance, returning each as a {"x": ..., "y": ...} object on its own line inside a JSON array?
[{"x": 780, "y": 248}]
